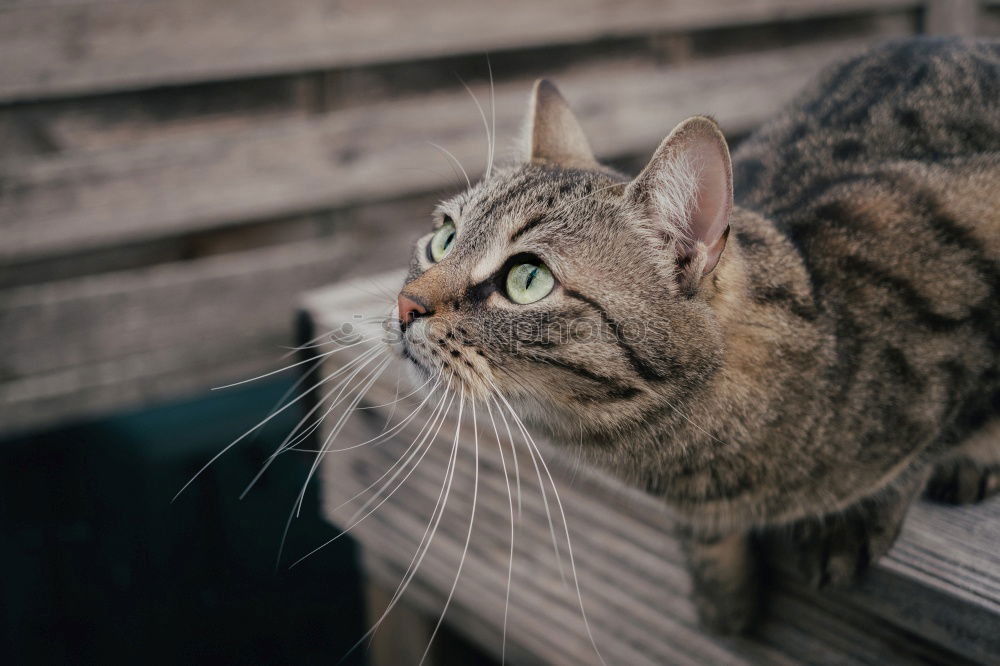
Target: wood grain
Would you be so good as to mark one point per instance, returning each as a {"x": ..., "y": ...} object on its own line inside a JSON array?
[
  {"x": 60, "y": 48},
  {"x": 97, "y": 389},
  {"x": 71, "y": 202},
  {"x": 129, "y": 338},
  {"x": 934, "y": 599},
  {"x": 213, "y": 178},
  {"x": 952, "y": 17}
]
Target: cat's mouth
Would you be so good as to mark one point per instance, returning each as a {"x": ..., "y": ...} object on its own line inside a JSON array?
[
  {"x": 406, "y": 353},
  {"x": 441, "y": 355}
]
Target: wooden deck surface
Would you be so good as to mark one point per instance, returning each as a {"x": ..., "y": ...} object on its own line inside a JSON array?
[{"x": 934, "y": 599}]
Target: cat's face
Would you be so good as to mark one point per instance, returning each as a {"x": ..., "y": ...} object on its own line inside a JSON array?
[{"x": 552, "y": 285}]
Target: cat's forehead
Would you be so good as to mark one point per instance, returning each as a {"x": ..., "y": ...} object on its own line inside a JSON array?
[
  {"x": 501, "y": 206},
  {"x": 535, "y": 209}
]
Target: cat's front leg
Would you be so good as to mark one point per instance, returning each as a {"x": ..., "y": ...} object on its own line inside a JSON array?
[
  {"x": 836, "y": 549},
  {"x": 971, "y": 472},
  {"x": 725, "y": 577}
]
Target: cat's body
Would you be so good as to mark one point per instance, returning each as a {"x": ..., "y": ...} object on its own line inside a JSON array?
[
  {"x": 803, "y": 359},
  {"x": 862, "y": 313}
]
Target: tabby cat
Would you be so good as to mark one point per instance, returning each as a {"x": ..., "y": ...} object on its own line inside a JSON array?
[{"x": 791, "y": 345}]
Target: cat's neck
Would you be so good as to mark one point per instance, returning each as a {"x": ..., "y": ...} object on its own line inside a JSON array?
[
  {"x": 776, "y": 351},
  {"x": 717, "y": 452},
  {"x": 762, "y": 296}
]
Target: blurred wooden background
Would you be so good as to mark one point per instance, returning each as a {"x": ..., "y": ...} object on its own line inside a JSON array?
[{"x": 174, "y": 172}]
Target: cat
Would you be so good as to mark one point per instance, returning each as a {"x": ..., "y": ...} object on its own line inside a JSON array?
[{"x": 786, "y": 346}]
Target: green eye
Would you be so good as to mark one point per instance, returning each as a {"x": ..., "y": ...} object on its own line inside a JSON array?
[
  {"x": 527, "y": 283},
  {"x": 441, "y": 241}
]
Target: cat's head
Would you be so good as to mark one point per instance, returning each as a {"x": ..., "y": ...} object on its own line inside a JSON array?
[{"x": 579, "y": 295}]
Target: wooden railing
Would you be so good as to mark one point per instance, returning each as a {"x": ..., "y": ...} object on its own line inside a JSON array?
[{"x": 173, "y": 173}]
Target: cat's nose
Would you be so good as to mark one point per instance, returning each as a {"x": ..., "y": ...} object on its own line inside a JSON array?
[{"x": 409, "y": 310}]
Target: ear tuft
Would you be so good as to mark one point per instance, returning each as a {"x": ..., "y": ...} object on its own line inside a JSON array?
[
  {"x": 687, "y": 193},
  {"x": 553, "y": 133}
]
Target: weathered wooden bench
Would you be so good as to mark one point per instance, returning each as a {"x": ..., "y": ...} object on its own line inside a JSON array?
[{"x": 934, "y": 599}]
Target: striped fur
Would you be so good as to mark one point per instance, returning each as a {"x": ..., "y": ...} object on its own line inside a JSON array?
[{"x": 846, "y": 343}]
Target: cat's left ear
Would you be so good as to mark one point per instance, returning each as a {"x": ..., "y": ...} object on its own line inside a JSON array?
[
  {"x": 552, "y": 133},
  {"x": 687, "y": 193}
]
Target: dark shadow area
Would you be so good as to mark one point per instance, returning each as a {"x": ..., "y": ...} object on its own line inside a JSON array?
[{"x": 100, "y": 567}]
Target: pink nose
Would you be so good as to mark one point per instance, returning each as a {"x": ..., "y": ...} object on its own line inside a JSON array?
[{"x": 409, "y": 310}]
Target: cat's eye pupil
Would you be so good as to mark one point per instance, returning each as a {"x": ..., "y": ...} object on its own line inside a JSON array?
[
  {"x": 529, "y": 282},
  {"x": 441, "y": 241}
]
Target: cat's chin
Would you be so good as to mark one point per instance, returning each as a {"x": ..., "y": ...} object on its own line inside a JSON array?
[
  {"x": 566, "y": 428},
  {"x": 418, "y": 370}
]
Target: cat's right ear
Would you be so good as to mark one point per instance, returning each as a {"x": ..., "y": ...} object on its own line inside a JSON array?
[
  {"x": 686, "y": 193},
  {"x": 552, "y": 133}
]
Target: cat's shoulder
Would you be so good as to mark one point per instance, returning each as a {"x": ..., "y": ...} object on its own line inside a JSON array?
[{"x": 926, "y": 100}]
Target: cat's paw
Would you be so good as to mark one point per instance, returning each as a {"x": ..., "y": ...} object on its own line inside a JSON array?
[
  {"x": 963, "y": 480},
  {"x": 837, "y": 550},
  {"x": 727, "y": 615},
  {"x": 831, "y": 555},
  {"x": 725, "y": 582}
]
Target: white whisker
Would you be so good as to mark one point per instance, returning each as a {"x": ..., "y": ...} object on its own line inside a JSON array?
[
  {"x": 242, "y": 437},
  {"x": 510, "y": 559},
  {"x": 327, "y": 338},
  {"x": 366, "y": 384},
  {"x": 562, "y": 514},
  {"x": 493, "y": 120},
  {"x": 401, "y": 462},
  {"x": 513, "y": 451},
  {"x": 448, "y": 153},
  {"x": 294, "y": 387},
  {"x": 381, "y": 437},
  {"x": 398, "y": 399},
  {"x": 545, "y": 503},
  {"x": 468, "y": 534},
  {"x": 287, "y": 445},
  {"x": 425, "y": 443},
  {"x": 692, "y": 423},
  {"x": 354, "y": 520},
  {"x": 341, "y": 389},
  {"x": 364, "y": 359},
  {"x": 428, "y": 536},
  {"x": 395, "y": 398},
  {"x": 289, "y": 367},
  {"x": 486, "y": 125}
]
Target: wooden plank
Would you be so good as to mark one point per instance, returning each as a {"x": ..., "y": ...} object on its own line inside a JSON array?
[
  {"x": 65, "y": 203},
  {"x": 104, "y": 121},
  {"x": 638, "y": 615},
  {"x": 129, "y": 338},
  {"x": 934, "y": 599},
  {"x": 132, "y": 381},
  {"x": 404, "y": 633},
  {"x": 952, "y": 17},
  {"x": 57, "y": 48},
  {"x": 154, "y": 308},
  {"x": 179, "y": 248},
  {"x": 989, "y": 20},
  {"x": 428, "y": 601},
  {"x": 942, "y": 579}
]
